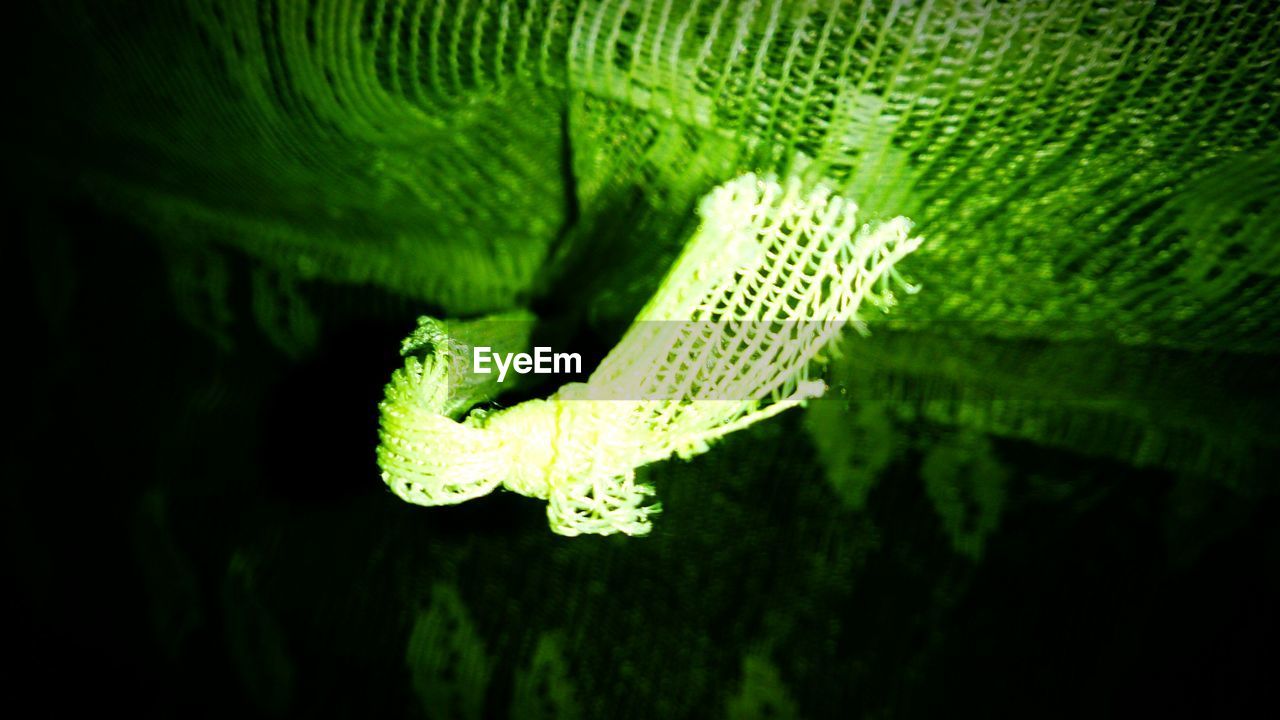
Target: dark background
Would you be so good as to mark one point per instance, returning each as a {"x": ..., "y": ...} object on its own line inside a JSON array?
[{"x": 201, "y": 532}]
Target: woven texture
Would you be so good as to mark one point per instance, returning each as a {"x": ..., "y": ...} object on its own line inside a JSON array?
[
  {"x": 1101, "y": 169},
  {"x": 1097, "y": 175},
  {"x": 766, "y": 284},
  {"x": 1043, "y": 485}
]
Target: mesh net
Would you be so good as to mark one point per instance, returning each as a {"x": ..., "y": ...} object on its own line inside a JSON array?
[
  {"x": 766, "y": 284},
  {"x": 1087, "y": 169},
  {"x": 1099, "y": 172},
  {"x": 1098, "y": 183}
]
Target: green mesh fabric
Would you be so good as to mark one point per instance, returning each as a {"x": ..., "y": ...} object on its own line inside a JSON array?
[
  {"x": 1033, "y": 489},
  {"x": 1103, "y": 172},
  {"x": 763, "y": 289},
  {"x": 1101, "y": 169}
]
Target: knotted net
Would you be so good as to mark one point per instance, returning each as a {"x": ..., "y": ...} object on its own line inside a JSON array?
[
  {"x": 1099, "y": 173},
  {"x": 765, "y": 285}
]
